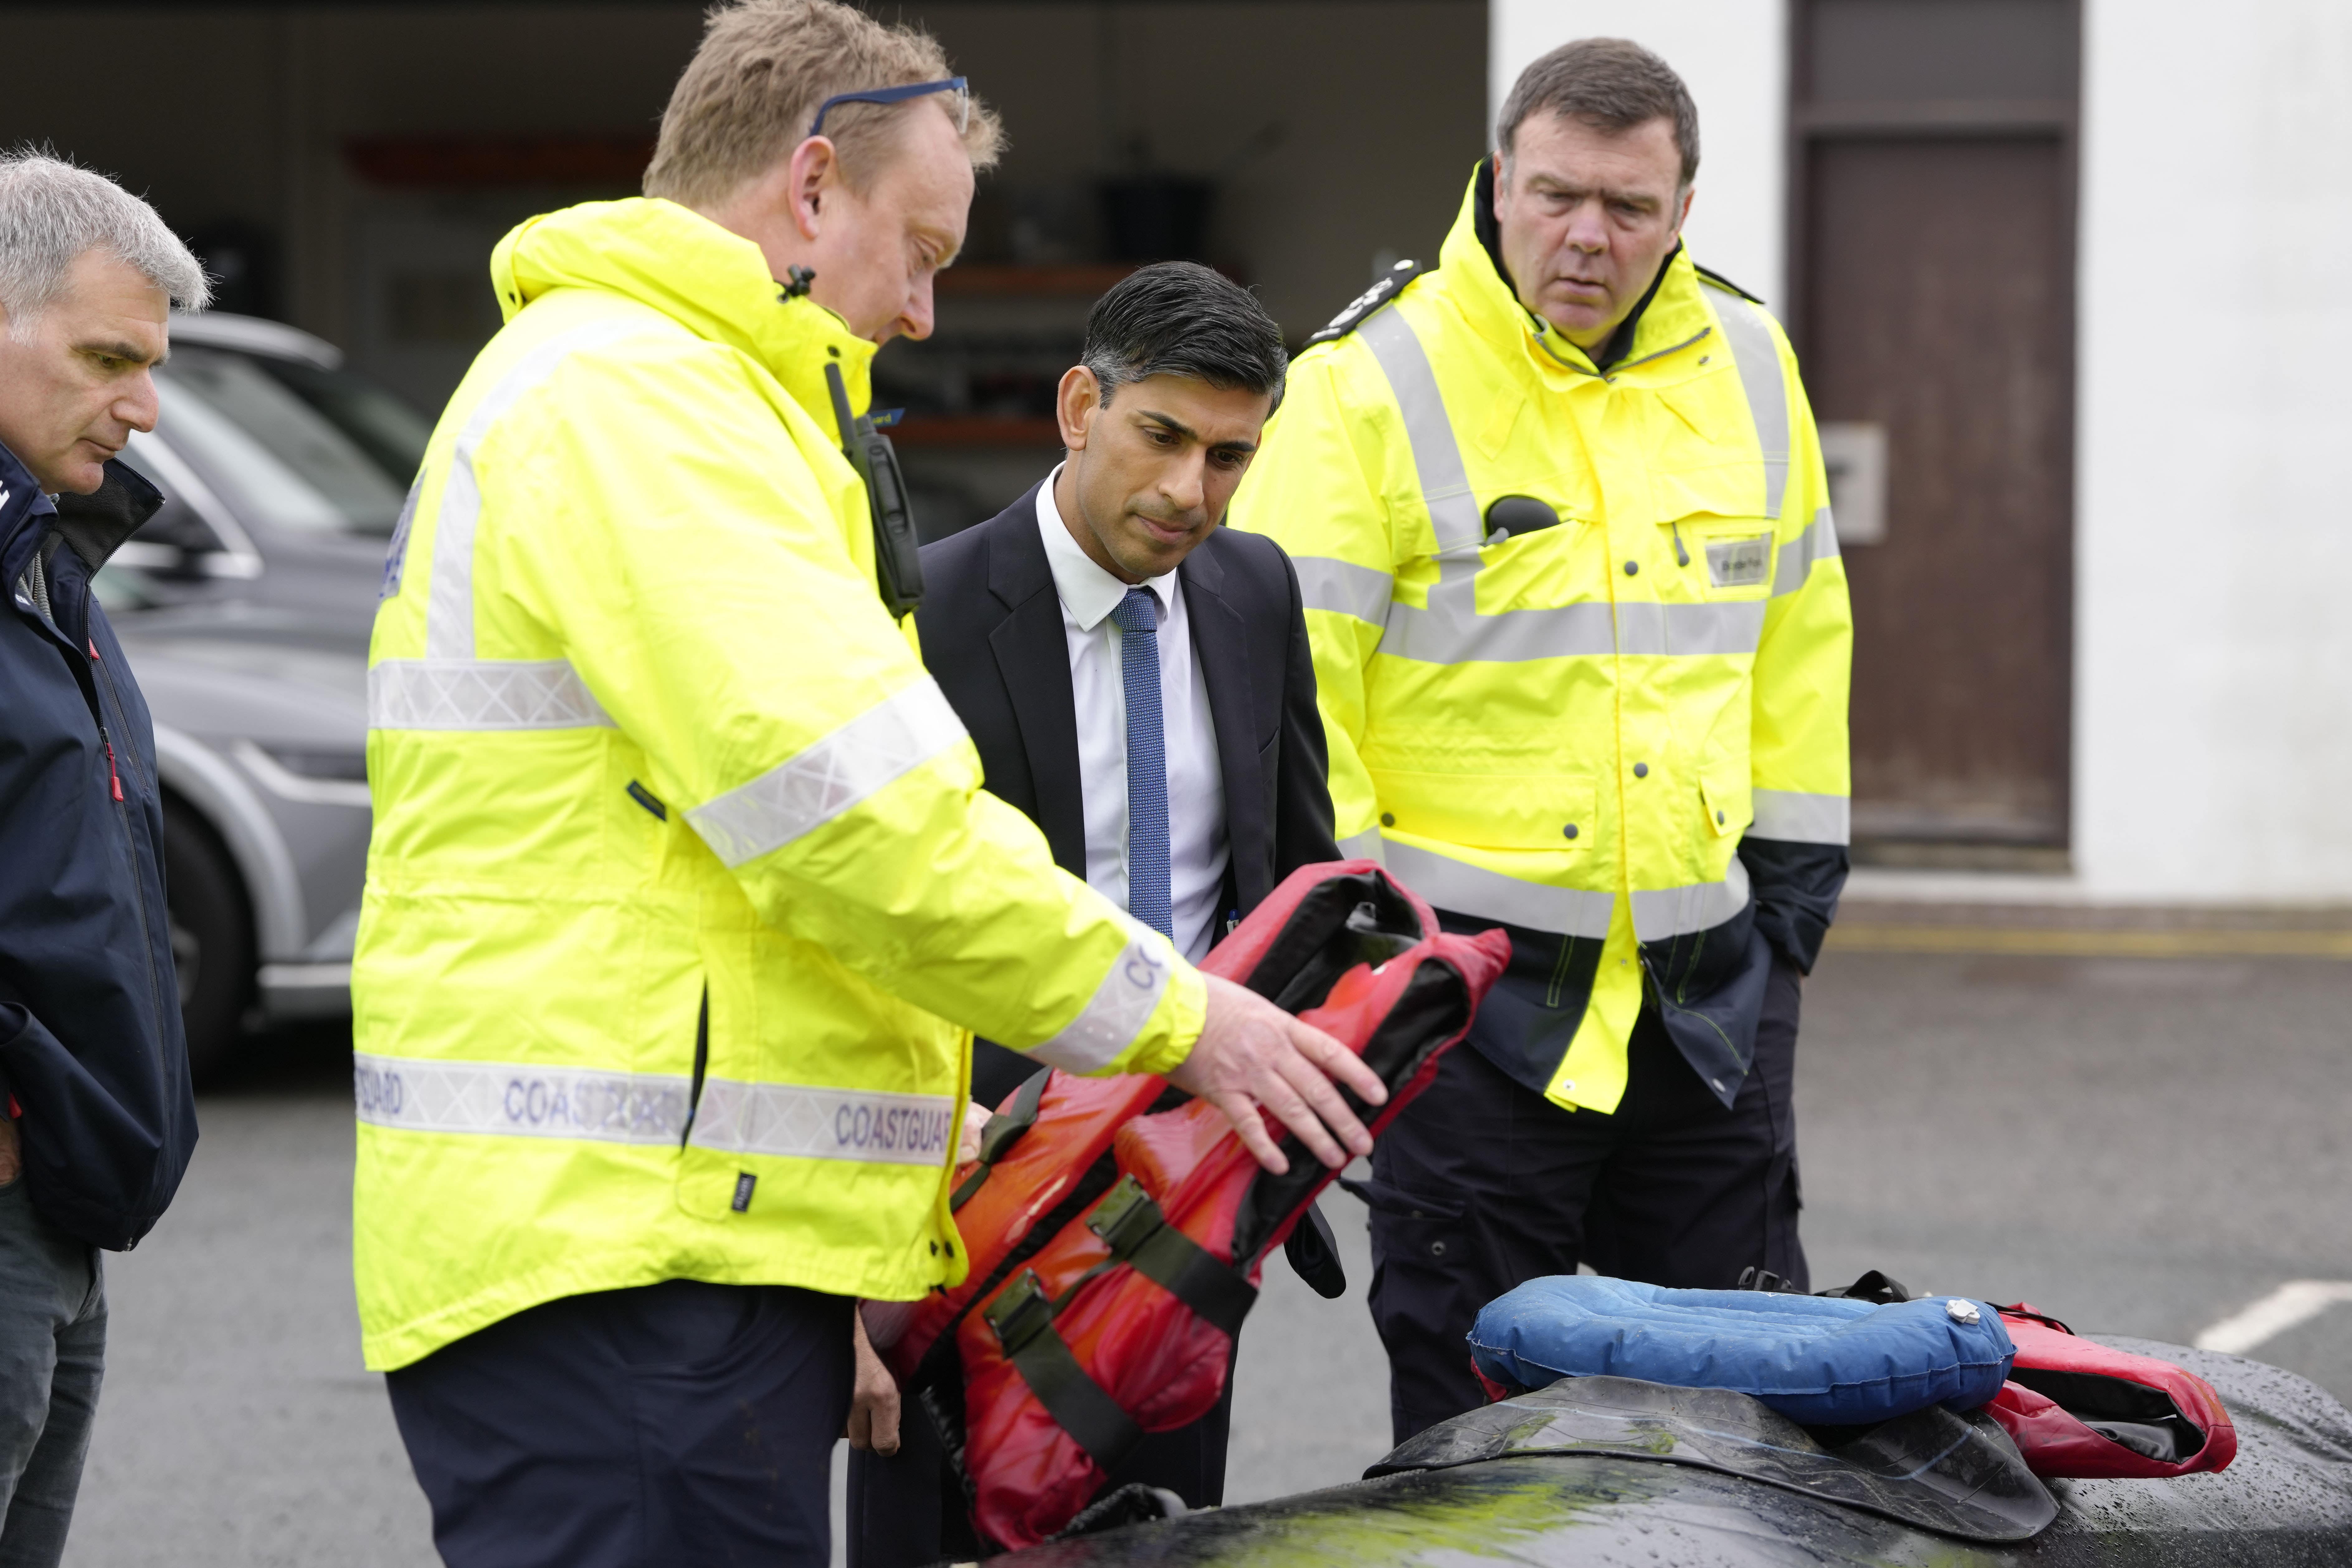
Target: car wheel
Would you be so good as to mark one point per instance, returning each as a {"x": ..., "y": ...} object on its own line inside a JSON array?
[{"x": 212, "y": 938}]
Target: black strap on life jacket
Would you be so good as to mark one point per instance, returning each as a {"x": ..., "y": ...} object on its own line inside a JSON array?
[
  {"x": 1004, "y": 1130},
  {"x": 1132, "y": 1225},
  {"x": 1137, "y": 1232},
  {"x": 1022, "y": 1317}
]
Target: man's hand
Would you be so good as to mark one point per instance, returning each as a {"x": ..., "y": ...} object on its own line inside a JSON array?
[
  {"x": 1252, "y": 1053},
  {"x": 12, "y": 1159},
  {"x": 975, "y": 1122},
  {"x": 873, "y": 1397}
]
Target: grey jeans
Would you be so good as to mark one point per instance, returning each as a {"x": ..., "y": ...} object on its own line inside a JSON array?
[{"x": 52, "y": 1350}]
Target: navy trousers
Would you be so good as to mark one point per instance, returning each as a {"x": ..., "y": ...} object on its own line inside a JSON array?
[
  {"x": 1482, "y": 1185},
  {"x": 679, "y": 1422}
]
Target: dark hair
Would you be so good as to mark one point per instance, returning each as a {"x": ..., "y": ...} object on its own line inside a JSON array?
[
  {"x": 1611, "y": 84},
  {"x": 1179, "y": 318}
]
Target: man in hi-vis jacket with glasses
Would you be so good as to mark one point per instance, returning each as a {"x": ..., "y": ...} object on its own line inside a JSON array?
[{"x": 684, "y": 899}]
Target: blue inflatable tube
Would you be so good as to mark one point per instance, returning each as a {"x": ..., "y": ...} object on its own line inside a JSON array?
[{"x": 1818, "y": 1360}]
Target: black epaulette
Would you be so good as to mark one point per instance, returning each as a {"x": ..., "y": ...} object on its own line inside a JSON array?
[
  {"x": 1720, "y": 282},
  {"x": 1370, "y": 300}
]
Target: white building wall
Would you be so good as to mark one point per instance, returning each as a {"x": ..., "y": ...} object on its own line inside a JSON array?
[
  {"x": 2213, "y": 527},
  {"x": 2213, "y": 639},
  {"x": 1735, "y": 56}
]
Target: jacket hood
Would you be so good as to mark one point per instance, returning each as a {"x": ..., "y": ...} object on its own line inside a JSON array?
[
  {"x": 1671, "y": 315},
  {"x": 711, "y": 282}
]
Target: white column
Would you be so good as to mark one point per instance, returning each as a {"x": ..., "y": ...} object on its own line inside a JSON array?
[
  {"x": 1735, "y": 56},
  {"x": 2214, "y": 555}
]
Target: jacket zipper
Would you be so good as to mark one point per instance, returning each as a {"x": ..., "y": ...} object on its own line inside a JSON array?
[
  {"x": 112, "y": 777},
  {"x": 701, "y": 1061},
  {"x": 130, "y": 839}
]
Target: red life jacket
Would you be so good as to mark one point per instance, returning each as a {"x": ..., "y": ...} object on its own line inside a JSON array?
[
  {"x": 2078, "y": 1409},
  {"x": 1115, "y": 1248}
]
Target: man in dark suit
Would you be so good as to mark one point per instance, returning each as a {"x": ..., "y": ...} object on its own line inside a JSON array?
[{"x": 1138, "y": 682}]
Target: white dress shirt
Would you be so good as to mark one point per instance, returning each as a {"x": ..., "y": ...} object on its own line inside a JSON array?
[{"x": 1197, "y": 846}]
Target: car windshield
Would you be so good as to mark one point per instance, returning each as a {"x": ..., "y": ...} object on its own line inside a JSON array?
[{"x": 292, "y": 445}]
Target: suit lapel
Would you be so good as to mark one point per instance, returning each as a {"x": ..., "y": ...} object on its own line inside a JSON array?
[
  {"x": 1218, "y": 638},
  {"x": 1032, "y": 656}
]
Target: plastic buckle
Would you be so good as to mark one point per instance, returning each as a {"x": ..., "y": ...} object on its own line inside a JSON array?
[
  {"x": 1125, "y": 1217},
  {"x": 999, "y": 1133},
  {"x": 1021, "y": 1312}
]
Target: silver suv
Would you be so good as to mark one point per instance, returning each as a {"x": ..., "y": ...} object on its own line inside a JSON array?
[{"x": 245, "y": 607}]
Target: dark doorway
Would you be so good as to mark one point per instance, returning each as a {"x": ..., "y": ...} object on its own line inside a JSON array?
[{"x": 1933, "y": 238}]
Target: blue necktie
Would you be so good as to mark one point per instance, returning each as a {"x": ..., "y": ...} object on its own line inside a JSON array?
[{"x": 1147, "y": 763}]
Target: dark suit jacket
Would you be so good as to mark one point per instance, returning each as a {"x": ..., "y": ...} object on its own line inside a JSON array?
[{"x": 990, "y": 625}]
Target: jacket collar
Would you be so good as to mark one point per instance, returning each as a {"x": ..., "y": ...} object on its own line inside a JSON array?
[
  {"x": 93, "y": 525},
  {"x": 23, "y": 509},
  {"x": 713, "y": 282},
  {"x": 1670, "y": 315},
  {"x": 1017, "y": 572}
]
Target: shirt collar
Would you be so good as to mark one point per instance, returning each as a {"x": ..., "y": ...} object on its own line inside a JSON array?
[{"x": 1087, "y": 591}]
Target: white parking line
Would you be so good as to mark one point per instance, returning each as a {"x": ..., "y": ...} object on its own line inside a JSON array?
[{"x": 2295, "y": 1302}]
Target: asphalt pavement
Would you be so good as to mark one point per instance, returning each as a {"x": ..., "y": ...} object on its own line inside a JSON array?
[{"x": 2138, "y": 1146}]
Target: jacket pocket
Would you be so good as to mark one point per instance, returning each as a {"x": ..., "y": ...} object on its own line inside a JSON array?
[
  {"x": 1416, "y": 1230},
  {"x": 712, "y": 1183},
  {"x": 1490, "y": 811},
  {"x": 1727, "y": 799},
  {"x": 1730, "y": 557}
]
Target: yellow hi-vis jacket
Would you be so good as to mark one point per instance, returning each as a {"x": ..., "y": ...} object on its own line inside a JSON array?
[
  {"x": 684, "y": 893},
  {"x": 1610, "y": 712}
]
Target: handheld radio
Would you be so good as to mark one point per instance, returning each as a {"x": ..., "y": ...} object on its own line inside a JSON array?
[{"x": 897, "y": 567}]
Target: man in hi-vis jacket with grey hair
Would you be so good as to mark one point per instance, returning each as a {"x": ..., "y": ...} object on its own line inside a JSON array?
[
  {"x": 97, "y": 1120},
  {"x": 1582, "y": 639}
]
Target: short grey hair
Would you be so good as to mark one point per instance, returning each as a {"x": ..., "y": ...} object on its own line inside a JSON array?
[
  {"x": 1611, "y": 84},
  {"x": 52, "y": 212}
]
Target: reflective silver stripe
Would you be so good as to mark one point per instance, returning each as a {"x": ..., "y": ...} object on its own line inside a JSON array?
[
  {"x": 1436, "y": 456},
  {"x": 797, "y": 1121},
  {"x": 1468, "y": 889},
  {"x": 1818, "y": 542},
  {"x": 891, "y": 738},
  {"x": 1660, "y": 912},
  {"x": 512, "y": 1101},
  {"x": 1758, "y": 359},
  {"x": 1572, "y": 631},
  {"x": 1734, "y": 627},
  {"x": 1344, "y": 588},
  {"x": 1450, "y": 630},
  {"x": 481, "y": 694},
  {"x": 449, "y": 606},
  {"x": 517, "y": 1101},
  {"x": 1121, "y": 1005},
  {"x": 1447, "y": 633},
  {"x": 1803, "y": 819},
  {"x": 1364, "y": 845},
  {"x": 395, "y": 554}
]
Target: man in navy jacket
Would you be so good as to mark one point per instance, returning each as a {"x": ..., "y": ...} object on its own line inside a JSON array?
[{"x": 95, "y": 1121}]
